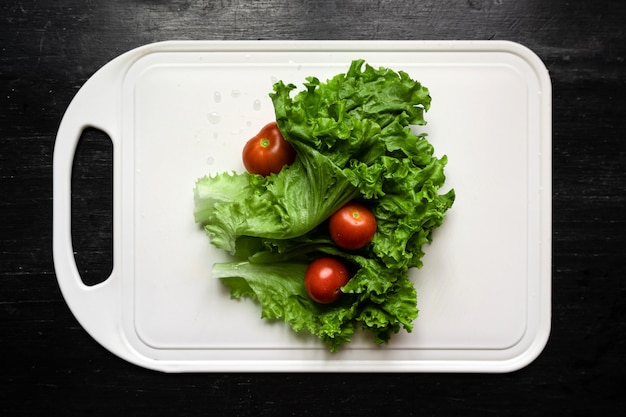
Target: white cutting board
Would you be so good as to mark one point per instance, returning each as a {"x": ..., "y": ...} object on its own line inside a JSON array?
[{"x": 176, "y": 111}]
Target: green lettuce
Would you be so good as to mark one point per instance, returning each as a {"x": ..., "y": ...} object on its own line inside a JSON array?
[
  {"x": 284, "y": 205},
  {"x": 354, "y": 139},
  {"x": 377, "y": 299}
]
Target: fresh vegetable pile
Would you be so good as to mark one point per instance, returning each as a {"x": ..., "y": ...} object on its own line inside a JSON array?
[{"x": 340, "y": 199}]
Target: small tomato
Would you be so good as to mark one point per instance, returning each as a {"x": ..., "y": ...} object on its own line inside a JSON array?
[
  {"x": 324, "y": 278},
  {"x": 352, "y": 226},
  {"x": 267, "y": 152}
]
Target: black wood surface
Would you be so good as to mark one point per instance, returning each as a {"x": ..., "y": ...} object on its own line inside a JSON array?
[{"x": 50, "y": 366}]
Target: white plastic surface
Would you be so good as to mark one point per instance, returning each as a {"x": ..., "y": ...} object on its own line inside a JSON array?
[{"x": 179, "y": 110}]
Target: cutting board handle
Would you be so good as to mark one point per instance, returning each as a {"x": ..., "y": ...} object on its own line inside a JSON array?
[{"x": 96, "y": 105}]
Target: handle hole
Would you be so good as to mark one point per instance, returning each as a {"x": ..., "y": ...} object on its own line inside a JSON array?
[{"x": 92, "y": 206}]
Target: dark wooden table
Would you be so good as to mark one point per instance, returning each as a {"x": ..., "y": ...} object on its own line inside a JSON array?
[{"x": 50, "y": 366}]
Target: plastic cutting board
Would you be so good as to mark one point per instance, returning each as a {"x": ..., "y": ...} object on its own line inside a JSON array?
[{"x": 176, "y": 111}]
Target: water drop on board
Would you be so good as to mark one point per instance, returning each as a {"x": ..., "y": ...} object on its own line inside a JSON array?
[
  {"x": 210, "y": 160},
  {"x": 235, "y": 93},
  {"x": 214, "y": 117},
  {"x": 217, "y": 96},
  {"x": 256, "y": 105}
]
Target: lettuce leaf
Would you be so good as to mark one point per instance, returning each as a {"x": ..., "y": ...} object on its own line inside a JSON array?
[
  {"x": 284, "y": 205},
  {"x": 355, "y": 139},
  {"x": 376, "y": 299}
]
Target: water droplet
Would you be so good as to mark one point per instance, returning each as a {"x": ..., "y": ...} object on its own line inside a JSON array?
[
  {"x": 235, "y": 93},
  {"x": 274, "y": 80},
  {"x": 256, "y": 105},
  {"x": 217, "y": 96},
  {"x": 210, "y": 160},
  {"x": 248, "y": 123},
  {"x": 214, "y": 117}
]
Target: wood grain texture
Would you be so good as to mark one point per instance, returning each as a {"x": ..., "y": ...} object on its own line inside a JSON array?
[{"x": 50, "y": 365}]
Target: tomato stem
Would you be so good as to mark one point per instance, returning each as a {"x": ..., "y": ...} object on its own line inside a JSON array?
[{"x": 265, "y": 142}]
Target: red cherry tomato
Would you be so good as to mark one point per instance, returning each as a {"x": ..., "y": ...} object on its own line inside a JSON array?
[
  {"x": 267, "y": 152},
  {"x": 352, "y": 226},
  {"x": 324, "y": 278}
]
